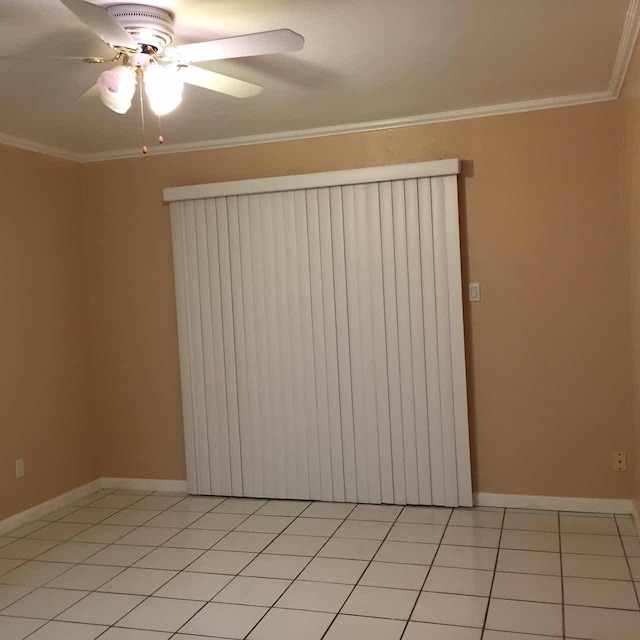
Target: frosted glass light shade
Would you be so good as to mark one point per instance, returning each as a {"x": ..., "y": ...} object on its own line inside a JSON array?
[
  {"x": 117, "y": 87},
  {"x": 164, "y": 88}
]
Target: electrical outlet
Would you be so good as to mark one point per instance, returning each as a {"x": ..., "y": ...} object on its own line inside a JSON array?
[
  {"x": 474, "y": 292},
  {"x": 20, "y": 468},
  {"x": 619, "y": 461}
]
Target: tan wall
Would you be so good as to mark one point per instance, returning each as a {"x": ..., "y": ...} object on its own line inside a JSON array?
[
  {"x": 630, "y": 178},
  {"x": 47, "y": 411},
  {"x": 549, "y": 372}
]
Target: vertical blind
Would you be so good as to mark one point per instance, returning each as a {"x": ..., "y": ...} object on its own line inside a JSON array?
[{"x": 321, "y": 343}]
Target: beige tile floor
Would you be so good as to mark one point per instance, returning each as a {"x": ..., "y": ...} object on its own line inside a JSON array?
[{"x": 136, "y": 566}]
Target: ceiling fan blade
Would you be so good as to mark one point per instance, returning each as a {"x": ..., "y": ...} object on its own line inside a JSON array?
[
  {"x": 19, "y": 58},
  {"x": 102, "y": 23},
  {"x": 218, "y": 82},
  {"x": 255, "y": 44}
]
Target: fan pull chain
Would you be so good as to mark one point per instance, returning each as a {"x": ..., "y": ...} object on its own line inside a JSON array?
[
  {"x": 160, "y": 137},
  {"x": 144, "y": 146}
]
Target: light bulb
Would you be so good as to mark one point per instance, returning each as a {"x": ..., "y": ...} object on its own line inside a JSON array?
[
  {"x": 164, "y": 88},
  {"x": 116, "y": 87}
]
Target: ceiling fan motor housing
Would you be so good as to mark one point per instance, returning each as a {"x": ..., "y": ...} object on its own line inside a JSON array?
[{"x": 148, "y": 26}]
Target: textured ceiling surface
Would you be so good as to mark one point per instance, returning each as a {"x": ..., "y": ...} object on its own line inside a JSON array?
[{"x": 363, "y": 60}]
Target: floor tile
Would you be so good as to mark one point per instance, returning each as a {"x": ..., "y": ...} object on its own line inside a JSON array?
[
  {"x": 72, "y": 552},
  {"x": 58, "y": 531},
  {"x": 195, "y": 539},
  {"x": 283, "y": 508},
  {"x": 406, "y": 552},
  {"x": 469, "y": 582},
  {"x": 132, "y": 517},
  {"x": 9, "y": 593},
  {"x": 55, "y": 630},
  {"x": 508, "y": 635},
  {"x": 350, "y": 549},
  {"x": 224, "y": 620},
  {"x": 103, "y": 533},
  {"x": 476, "y": 518},
  {"x": 290, "y": 623},
  {"x": 158, "y": 503},
  {"x": 101, "y": 608},
  {"x": 5, "y": 541},
  {"x": 296, "y": 545},
  {"x": 584, "y": 566},
  {"x": 274, "y": 566},
  {"x": 536, "y": 562},
  {"x": 315, "y": 596},
  {"x": 349, "y": 627},
  {"x": 26, "y": 529},
  {"x": 197, "y": 504},
  {"x": 381, "y": 602},
  {"x": 407, "y": 532},
  {"x": 634, "y": 563},
  {"x": 626, "y": 527},
  {"x": 148, "y": 536},
  {"x": 174, "y": 519},
  {"x": 34, "y": 573},
  {"x": 525, "y": 617},
  {"x": 85, "y": 577},
  {"x": 160, "y": 614},
  {"x": 245, "y": 506},
  {"x": 58, "y": 513},
  {"x": 245, "y": 541},
  {"x": 226, "y": 562},
  {"x": 601, "y": 624},
  {"x": 7, "y": 564},
  {"x": 590, "y": 544},
  {"x": 140, "y": 582},
  {"x": 465, "y": 557},
  {"x": 424, "y": 630},
  {"x": 531, "y": 521},
  {"x": 443, "y": 608},
  {"x": 472, "y": 536},
  {"x": 114, "y": 501},
  {"x": 396, "y": 576},
  {"x": 337, "y": 510},
  {"x": 262, "y": 592},
  {"x": 218, "y": 521},
  {"x": 380, "y": 512},
  {"x": 89, "y": 515},
  {"x": 631, "y": 546},
  {"x": 367, "y": 530},
  {"x": 26, "y": 549},
  {"x": 194, "y": 586},
  {"x": 44, "y": 603},
  {"x": 169, "y": 558},
  {"x": 334, "y": 570},
  {"x": 118, "y": 555},
  {"x": 585, "y": 524},
  {"x": 313, "y": 527},
  {"x": 92, "y": 497},
  {"x": 530, "y": 540},
  {"x": 265, "y": 524},
  {"x": 425, "y": 515},
  {"x": 521, "y": 586},
  {"x": 17, "y": 628},
  {"x": 608, "y": 594}
]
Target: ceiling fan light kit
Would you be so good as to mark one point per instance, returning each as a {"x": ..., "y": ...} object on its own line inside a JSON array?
[{"x": 141, "y": 37}]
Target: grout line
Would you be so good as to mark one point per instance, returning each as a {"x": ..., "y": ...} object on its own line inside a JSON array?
[
  {"x": 626, "y": 557},
  {"x": 561, "y": 575},
  {"x": 493, "y": 579}
]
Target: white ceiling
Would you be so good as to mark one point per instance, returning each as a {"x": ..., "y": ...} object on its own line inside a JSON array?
[{"x": 363, "y": 60}]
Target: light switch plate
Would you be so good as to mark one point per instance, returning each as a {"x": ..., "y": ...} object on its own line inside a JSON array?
[{"x": 474, "y": 292}]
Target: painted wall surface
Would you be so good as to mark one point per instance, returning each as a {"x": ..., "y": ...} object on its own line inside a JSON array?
[
  {"x": 542, "y": 230},
  {"x": 47, "y": 410},
  {"x": 630, "y": 180}
]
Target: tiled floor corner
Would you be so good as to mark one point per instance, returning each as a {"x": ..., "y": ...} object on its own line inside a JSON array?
[{"x": 123, "y": 565}]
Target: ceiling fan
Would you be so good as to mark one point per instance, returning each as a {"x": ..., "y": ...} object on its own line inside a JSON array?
[{"x": 141, "y": 38}]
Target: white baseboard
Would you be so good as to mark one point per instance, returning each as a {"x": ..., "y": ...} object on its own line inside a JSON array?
[
  {"x": 553, "y": 503},
  {"x": 144, "y": 484},
  {"x": 635, "y": 512},
  {"x": 42, "y": 509}
]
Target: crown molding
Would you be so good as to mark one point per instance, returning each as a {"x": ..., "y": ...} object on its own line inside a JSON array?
[
  {"x": 29, "y": 145},
  {"x": 625, "y": 49},
  {"x": 357, "y": 127}
]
